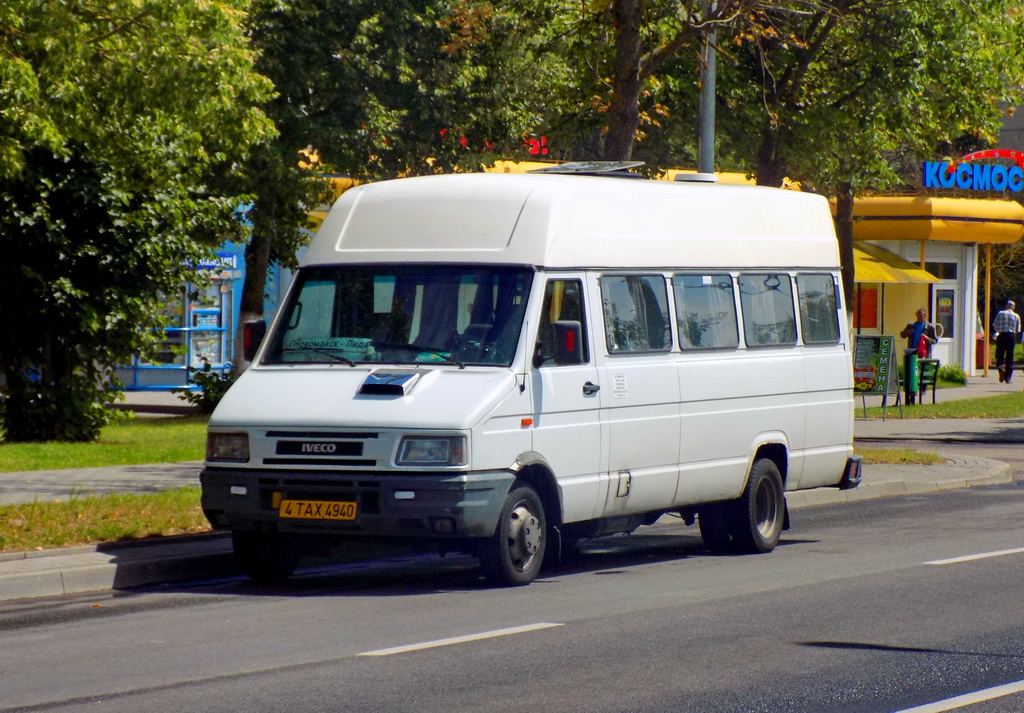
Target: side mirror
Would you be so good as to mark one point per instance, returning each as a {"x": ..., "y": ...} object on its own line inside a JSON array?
[
  {"x": 252, "y": 336},
  {"x": 568, "y": 342}
]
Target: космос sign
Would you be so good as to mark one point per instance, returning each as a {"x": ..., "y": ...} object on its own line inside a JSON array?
[{"x": 976, "y": 176}]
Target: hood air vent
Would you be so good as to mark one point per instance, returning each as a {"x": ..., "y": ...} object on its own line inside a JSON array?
[{"x": 389, "y": 383}]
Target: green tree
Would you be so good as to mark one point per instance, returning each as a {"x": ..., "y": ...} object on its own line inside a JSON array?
[
  {"x": 844, "y": 98},
  {"x": 377, "y": 90},
  {"x": 120, "y": 124}
]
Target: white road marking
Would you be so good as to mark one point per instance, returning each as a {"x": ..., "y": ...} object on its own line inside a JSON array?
[
  {"x": 981, "y": 556},
  {"x": 460, "y": 639},
  {"x": 968, "y": 699}
]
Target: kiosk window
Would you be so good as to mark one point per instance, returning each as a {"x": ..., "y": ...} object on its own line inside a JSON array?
[
  {"x": 636, "y": 317},
  {"x": 767, "y": 304},
  {"x": 705, "y": 311},
  {"x": 818, "y": 316}
]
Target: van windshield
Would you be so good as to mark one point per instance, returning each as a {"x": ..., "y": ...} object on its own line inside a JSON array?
[{"x": 461, "y": 315}]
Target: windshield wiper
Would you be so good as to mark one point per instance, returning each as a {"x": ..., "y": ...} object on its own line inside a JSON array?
[
  {"x": 447, "y": 356},
  {"x": 329, "y": 354}
]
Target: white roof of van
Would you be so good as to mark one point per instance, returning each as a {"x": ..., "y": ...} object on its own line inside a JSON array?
[{"x": 565, "y": 221}]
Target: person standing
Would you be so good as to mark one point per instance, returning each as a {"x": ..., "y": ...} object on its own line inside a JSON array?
[
  {"x": 1006, "y": 328},
  {"x": 915, "y": 331}
]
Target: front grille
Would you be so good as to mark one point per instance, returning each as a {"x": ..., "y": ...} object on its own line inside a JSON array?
[{"x": 323, "y": 448}]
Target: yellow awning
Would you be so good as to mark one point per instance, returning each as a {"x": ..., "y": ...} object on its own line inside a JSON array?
[
  {"x": 874, "y": 264},
  {"x": 961, "y": 220}
]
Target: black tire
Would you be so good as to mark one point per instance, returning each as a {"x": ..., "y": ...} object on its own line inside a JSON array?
[
  {"x": 266, "y": 559},
  {"x": 761, "y": 511},
  {"x": 714, "y": 529},
  {"x": 751, "y": 524},
  {"x": 513, "y": 555}
]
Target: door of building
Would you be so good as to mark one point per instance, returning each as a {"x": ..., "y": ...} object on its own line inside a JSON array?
[{"x": 945, "y": 302}]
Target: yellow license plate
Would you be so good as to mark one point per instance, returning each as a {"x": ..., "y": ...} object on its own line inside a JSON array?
[{"x": 317, "y": 510}]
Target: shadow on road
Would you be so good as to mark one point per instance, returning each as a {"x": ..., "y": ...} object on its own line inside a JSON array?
[{"x": 421, "y": 573}]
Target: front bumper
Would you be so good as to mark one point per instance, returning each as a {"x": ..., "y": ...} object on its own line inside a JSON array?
[{"x": 427, "y": 505}]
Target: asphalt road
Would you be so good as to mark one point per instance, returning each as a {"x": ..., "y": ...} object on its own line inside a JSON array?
[{"x": 859, "y": 610}]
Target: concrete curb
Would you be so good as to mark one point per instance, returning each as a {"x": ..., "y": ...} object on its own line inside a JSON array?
[
  {"x": 995, "y": 474},
  {"x": 87, "y": 569}
]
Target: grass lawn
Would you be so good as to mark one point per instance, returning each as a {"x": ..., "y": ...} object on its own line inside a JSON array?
[
  {"x": 106, "y": 518},
  {"x": 899, "y": 456},
  {"x": 101, "y": 518},
  {"x": 136, "y": 442},
  {"x": 1002, "y": 406}
]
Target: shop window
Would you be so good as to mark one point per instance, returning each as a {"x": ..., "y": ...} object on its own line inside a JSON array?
[
  {"x": 944, "y": 311},
  {"x": 865, "y": 308},
  {"x": 942, "y": 270}
]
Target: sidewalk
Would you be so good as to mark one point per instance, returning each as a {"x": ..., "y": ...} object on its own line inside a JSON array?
[
  {"x": 948, "y": 430},
  {"x": 123, "y": 565}
]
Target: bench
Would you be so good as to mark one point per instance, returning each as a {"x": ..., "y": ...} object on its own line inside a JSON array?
[{"x": 927, "y": 375}]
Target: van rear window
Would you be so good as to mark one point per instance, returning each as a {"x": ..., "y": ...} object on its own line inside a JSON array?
[{"x": 819, "y": 318}]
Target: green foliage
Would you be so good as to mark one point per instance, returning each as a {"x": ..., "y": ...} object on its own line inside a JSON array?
[
  {"x": 68, "y": 411},
  {"x": 953, "y": 374},
  {"x": 851, "y": 93},
  {"x": 212, "y": 387},
  {"x": 120, "y": 132}
]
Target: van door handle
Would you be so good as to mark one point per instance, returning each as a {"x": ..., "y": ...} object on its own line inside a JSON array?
[{"x": 591, "y": 388}]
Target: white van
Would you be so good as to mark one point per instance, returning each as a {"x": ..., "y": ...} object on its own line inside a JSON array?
[{"x": 505, "y": 364}]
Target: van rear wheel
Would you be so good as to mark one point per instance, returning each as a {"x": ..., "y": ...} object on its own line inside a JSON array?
[
  {"x": 513, "y": 555},
  {"x": 752, "y": 523}
]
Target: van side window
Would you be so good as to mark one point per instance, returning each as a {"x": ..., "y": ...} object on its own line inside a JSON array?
[
  {"x": 563, "y": 301},
  {"x": 818, "y": 304},
  {"x": 636, "y": 317},
  {"x": 767, "y": 304},
  {"x": 705, "y": 311}
]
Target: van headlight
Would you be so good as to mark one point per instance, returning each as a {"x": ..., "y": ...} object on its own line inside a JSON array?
[
  {"x": 432, "y": 450},
  {"x": 227, "y": 447}
]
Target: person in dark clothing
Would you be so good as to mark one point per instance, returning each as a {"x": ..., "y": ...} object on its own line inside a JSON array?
[{"x": 1006, "y": 328}]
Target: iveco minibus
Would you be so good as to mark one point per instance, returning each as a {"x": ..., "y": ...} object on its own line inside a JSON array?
[{"x": 507, "y": 364}]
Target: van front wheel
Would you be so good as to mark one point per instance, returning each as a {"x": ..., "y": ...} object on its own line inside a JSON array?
[
  {"x": 753, "y": 522},
  {"x": 513, "y": 555}
]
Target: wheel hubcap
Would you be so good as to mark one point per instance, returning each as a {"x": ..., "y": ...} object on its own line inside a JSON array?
[
  {"x": 524, "y": 536},
  {"x": 767, "y": 505}
]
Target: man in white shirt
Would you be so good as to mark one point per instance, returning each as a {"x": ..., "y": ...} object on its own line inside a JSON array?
[{"x": 1006, "y": 328}]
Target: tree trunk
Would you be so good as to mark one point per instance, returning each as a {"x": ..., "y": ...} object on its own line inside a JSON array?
[
  {"x": 623, "y": 113},
  {"x": 844, "y": 234},
  {"x": 257, "y": 260},
  {"x": 770, "y": 166}
]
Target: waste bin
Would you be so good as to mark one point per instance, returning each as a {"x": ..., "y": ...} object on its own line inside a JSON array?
[{"x": 910, "y": 376}]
